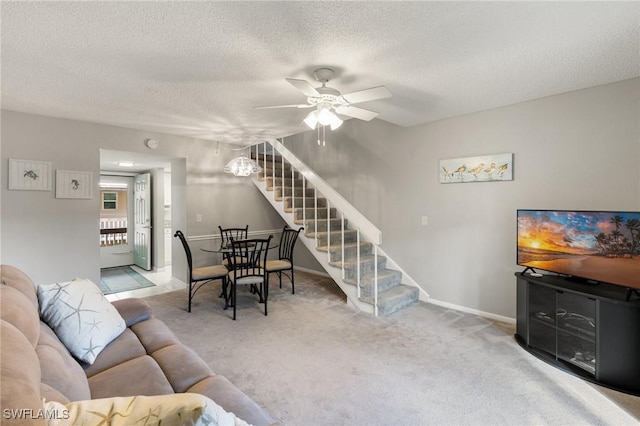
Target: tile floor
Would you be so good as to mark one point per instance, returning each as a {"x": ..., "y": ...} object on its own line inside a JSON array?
[{"x": 162, "y": 280}]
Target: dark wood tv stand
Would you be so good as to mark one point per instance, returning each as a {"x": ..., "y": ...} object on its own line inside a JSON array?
[{"x": 590, "y": 330}]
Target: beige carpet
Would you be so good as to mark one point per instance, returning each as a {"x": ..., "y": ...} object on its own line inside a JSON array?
[{"x": 316, "y": 361}]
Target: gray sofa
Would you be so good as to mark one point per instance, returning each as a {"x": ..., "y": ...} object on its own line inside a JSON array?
[{"x": 146, "y": 359}]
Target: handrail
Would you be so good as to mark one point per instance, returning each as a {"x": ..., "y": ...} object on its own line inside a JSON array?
[{"x": 354, "y": 216}]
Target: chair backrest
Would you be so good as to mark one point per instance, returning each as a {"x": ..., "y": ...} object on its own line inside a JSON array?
[
  {"x": 227, "y": 234},
  {"x": 287, "y": 242},
  {"x": 187, "y": 250},
  {"x": 249, "y": 256}
]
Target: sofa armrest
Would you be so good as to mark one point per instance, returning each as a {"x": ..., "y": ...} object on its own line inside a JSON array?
[{"x": 132, "y": 310}]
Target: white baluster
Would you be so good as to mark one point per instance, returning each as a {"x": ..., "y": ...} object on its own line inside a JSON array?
[
  {"x": 358, "y": 259},
  {"x": 342, "y": 226},
  {"x": 315, "y": 214},
  {"x": 375, "y": 279},
  {"x": 329, "y": 231},
  {"x": 264, "y": 160}
]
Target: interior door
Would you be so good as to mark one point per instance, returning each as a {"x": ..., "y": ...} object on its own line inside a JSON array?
[{"x": 142, "y": 225}]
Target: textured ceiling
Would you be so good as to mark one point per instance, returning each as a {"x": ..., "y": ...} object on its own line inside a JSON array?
[{"x": 198, "y": 68}]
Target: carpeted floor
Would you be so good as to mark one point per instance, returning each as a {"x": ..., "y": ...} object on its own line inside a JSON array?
[
  {"x": 121, "y": 278},
  {"x": 316, "y": 361}
]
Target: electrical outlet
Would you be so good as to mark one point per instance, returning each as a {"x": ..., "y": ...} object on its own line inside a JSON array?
[{"x": 198, "y": 218}]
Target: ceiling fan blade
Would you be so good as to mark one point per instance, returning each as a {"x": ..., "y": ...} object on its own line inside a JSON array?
[
  {"x": 365, "y": 95},
  {"x": 284, "y": 106},
  {"x": 304, "y": 86},
  {"x": 355, "y": 112}
]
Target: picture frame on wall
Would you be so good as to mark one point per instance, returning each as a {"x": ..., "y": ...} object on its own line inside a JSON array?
[
  {"x": 482, "y": 168},
  {"x": 29, "y": 175},
  {"x": 74, "y": 184}
]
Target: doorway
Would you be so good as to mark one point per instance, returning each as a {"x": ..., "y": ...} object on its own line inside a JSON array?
[
  {"x": 116, "y": 216},
  {"x": 120, "y": 237}
]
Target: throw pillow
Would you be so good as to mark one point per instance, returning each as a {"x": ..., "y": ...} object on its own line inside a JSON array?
[
  {"x": 82, "y": 318},
  {"x": 174, "y": 409}
]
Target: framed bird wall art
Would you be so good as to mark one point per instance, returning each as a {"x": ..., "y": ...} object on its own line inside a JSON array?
[{"x": 482, "y": 168}]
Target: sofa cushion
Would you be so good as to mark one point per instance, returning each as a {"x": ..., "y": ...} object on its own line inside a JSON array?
[
  {"x": 14, "y": 277},
  {"x": 17, "y": 309},
  {"x": 123, "y": 348},
  {"x": 232, "y": 399},
  {"x": 59, "y": 369},
  {"x": 182, "y": 366},
  {"x": 154, "y": 335},
  {"x": 176, "y": 409},
  {"x": 52, "y": 394},
  {"x": 82, "y": 318},
  {"x": 138, "y": 376},
  {"x": 132, "y": 310},
  {"x": 20, "y": 369}
]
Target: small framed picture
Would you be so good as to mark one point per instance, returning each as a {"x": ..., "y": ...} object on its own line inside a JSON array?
[
  {"x": 72, "y": 184},
  {"x": 29, "y": 175}
]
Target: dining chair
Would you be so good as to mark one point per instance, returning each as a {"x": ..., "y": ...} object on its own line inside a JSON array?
[
  {"x": 246, "y": 268},
  {"x": 197, "y": 277},
  {"x": 284, "y": 262},
  {"x": 227, "y": 234}
]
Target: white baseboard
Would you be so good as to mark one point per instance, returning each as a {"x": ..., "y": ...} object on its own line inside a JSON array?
[
  {"x": 472, "y": 311},
  {"x": 427, "y": 299}
]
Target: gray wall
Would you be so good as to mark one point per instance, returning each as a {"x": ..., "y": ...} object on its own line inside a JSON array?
[
  {"x": 56, "y": 239},
  {"x": 579, "y": 150}
]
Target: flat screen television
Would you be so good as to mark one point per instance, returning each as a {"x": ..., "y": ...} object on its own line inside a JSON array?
[{"x": 597, "y": 246}]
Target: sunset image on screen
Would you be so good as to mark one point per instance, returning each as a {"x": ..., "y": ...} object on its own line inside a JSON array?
[{"x": 596, "y": 245}]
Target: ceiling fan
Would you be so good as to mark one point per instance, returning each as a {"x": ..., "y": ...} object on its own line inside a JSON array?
[{"x": 329, "y": 102}]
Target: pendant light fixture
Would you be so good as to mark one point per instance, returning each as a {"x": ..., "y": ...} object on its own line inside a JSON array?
[{"x": 242, "y": 166}]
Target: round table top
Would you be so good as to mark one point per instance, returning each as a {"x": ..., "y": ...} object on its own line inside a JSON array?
[{"x": 219, "y": 248}]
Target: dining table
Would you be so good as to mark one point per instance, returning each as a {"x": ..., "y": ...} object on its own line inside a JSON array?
[{"x": 226, "y": 248}]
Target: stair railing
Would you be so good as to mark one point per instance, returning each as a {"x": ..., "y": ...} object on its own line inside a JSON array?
[{"x": 346, "y": 211}]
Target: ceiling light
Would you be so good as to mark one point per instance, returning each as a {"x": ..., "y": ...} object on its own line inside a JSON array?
[
  {"x": 334, "y": 122},
  {"x": 125, "y": 164},
  {"x": 242, "y": 166},
  {"x": 112, "y": 185},
  {"x": 324, "y": 116},
  {"x": 312, "y": 119}
]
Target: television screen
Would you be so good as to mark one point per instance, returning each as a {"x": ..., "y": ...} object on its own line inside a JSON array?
[{"x": 598, "y": 246}]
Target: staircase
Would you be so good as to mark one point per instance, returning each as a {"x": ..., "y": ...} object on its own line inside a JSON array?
[{"x": 343, "y": 241}]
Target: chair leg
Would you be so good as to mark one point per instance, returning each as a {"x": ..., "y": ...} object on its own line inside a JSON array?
[
  {"x": 233, "y": 290},
  {"x": 280, "y": 276},
  {"x": 266, "y": 293},
  {"x": 293, "y": 285},
  {"x": 225, "y": 291},
  {"x": 190, "y": 296}
]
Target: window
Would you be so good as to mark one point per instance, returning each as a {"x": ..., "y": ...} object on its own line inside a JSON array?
[{"x": 109, "y": 201}]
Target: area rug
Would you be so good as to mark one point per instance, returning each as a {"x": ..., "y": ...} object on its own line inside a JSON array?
[{"x": 122, "y": 278}]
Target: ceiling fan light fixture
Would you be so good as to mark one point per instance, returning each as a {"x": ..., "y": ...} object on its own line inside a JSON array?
[
  {"x": 242, "y": 166},
  {"x": 312, "y": 119},
  {"x": 325, "y": 116},
  {"x": 335, "y": 122}
]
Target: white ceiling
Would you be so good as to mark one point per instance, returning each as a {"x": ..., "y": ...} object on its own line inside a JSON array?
[{"x": 198, "y": 68}]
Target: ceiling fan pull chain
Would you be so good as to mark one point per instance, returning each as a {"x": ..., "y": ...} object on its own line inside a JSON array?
[
  {"x": 324, "y": 140},
  {"x": 318, "y": 135}
]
